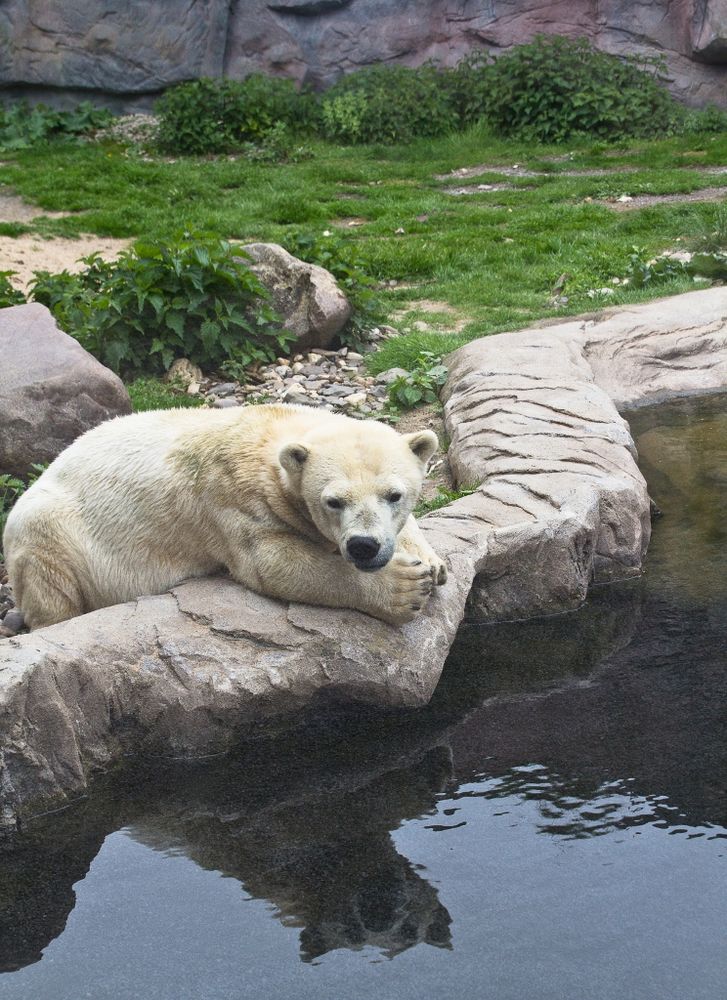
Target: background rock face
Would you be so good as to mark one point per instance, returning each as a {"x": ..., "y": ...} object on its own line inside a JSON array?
[
  {"x": 139, "y": 48},
  {"x": 51, "y": 389}
]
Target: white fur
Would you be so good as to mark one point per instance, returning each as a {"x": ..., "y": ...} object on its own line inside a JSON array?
[{"x": 142, "y": 502}]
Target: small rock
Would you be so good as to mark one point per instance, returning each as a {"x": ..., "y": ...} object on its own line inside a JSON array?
[
  {"x": 387, "y": 377},
  {"x": 193, "y": 389},
  {"x": 353, "y": 356},
  {"x": 421, "y": 326},
  {"x": 297, "y": 397},
  {"x": 355, "y": 399},
  {"x": 314, "y": 358},
  {"x": 337, "y": 390},
  {"x": 282, "y": 370},
  {"x": 5, "y": 633},
  {"x": 14, "y": 621},
  {"x": 297, "y": 367},
  {"x": 184, "y": 372},
  {"x": 223, "y": 404},
  {"x": 223, "y": 389}
]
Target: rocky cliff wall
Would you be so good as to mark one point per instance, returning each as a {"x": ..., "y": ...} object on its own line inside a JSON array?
[{"x": 136, "y": 49}]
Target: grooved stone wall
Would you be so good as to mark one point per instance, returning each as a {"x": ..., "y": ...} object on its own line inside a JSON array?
[{"x": 139, "y": 47}]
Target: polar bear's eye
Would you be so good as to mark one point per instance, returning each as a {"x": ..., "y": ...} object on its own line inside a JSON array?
[
  {"x": 394, "y": 497},
  {"x": 334, "y": 503}
]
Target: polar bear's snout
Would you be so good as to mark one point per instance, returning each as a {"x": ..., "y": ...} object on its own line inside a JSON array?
[{"x": 367, "y": 553}]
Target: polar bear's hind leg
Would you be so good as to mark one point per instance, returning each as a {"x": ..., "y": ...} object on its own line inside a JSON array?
[{"x": 45, "y": 591}]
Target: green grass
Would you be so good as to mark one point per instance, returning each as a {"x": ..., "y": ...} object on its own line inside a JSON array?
[
  {"x": 494, "y": 257},
  {"x": 153, "y": 394}
]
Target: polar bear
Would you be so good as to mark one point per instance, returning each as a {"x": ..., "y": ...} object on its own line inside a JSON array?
[{"x": 294, "y": 502}]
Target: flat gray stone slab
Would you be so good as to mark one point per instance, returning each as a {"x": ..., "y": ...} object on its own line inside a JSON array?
[{"x": 560, "y": 502}]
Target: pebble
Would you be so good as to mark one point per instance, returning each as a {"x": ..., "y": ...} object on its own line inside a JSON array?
[
  {"x": 6, "y": 633},
  {"x": 222, "y": 389},
  {"x": 391, "y": 375},
  {"x": 13, "y": 621},
  {"x": 334, "y": 380}
]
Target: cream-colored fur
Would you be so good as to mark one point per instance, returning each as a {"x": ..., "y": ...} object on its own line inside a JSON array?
[{"x": 294, "y": 502}]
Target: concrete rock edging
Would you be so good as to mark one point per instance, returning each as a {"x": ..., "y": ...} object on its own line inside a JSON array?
[{"x": 533, "y": 420}]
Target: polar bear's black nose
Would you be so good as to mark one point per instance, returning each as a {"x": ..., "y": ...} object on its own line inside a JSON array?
[{"x": 361, "y": 548}]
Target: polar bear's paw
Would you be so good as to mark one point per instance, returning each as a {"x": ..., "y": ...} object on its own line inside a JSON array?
[
  {"x": 408, "y": 583},
  {"x": 438, "y": 570}
]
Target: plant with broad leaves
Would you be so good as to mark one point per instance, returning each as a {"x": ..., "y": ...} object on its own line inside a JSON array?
[
  {"x": 420, "y": 385},
  {"x": 193, "y": 297},
  {"x": 9, "y": 294}
]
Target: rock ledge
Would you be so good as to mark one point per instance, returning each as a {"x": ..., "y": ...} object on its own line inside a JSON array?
[{"x": 534, "y": 423}]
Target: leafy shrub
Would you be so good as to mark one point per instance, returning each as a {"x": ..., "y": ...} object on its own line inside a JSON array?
[
  {"x": 699, "y": 266},
  {"x": 341, "y": 258},
  {"x": 709, "y": 119},
  {"x": 468, "y": 86},
  {"x": 9, "y": 294},
  {"x": 217, "y": 116},
  {"x": 22, "y": 126},
  {"x": 420, "y": 385},
  {"x": 387, "y": 104},
  {"x": 189, "y": 298},
  {"x": 554, "y": 88},
  {"x": 277, "y": 146}
]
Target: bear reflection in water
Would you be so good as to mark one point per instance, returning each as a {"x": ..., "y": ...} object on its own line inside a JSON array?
[{"x": 324, "y": 858}]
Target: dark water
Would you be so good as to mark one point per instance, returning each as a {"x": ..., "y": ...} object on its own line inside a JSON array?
[{"x": 552, "y": 827}]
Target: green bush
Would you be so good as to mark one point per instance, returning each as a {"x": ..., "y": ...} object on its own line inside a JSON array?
[
  {"x": 553, "y": 89},
  {"x": 218, "y": 116},
  {"x": 420, "y": 385},
  {"x": 22, "y": 126},
  {"x": 157, "y": 302},
  {"x": 709, "y": 119},
  {"x": 388, "y": 104},
  {"x": 9, "y": 294}
]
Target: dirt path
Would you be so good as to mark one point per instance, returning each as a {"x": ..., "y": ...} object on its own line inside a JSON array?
[{"x": 29, "y": 252}]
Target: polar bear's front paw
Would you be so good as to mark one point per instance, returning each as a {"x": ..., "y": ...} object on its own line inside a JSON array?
[
  {"x": 408, "y": 584},
  {"x": 438, "y": 570}
]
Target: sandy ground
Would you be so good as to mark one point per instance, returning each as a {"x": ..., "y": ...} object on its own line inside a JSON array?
[
  {"x": 28, "y": 253},
  {"x": 25, "y": 254}
]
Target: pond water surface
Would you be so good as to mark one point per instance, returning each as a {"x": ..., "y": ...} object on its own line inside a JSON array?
[{"x": 552, "y": 827}]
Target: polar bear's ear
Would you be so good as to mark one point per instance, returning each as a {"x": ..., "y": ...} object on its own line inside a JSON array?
[
  {"x": 423, "y": 444},
  {"x": 292, "y": 457}
]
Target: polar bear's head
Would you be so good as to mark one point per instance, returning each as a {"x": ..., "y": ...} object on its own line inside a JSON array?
[{"x": 358, "y": 485}]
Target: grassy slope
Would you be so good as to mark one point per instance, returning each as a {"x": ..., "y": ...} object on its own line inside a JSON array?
[{"x": 493, "y": 256}]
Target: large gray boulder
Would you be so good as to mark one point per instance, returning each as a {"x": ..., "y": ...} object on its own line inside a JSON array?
[
  {"x": 558, "y": 503},
  {"x": 51, "y": 389},
  {"x": 136, "y": 48},
  {"x": 306, "y": 297}
]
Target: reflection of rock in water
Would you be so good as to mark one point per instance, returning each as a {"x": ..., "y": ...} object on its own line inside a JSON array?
[
  {"x": 327, "y": 863},
  {"x": 36, "y": 888}
]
